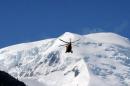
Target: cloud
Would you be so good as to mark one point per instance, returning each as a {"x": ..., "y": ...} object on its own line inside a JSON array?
[
  {"x": 88, "y": 30},
  {"x": 122, "y": 27}
]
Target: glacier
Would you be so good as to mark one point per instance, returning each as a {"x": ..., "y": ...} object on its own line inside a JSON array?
[{"x": 97, "y": 59}]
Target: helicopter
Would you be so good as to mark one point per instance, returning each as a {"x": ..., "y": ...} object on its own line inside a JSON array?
[{"x": 68, "y": 45}]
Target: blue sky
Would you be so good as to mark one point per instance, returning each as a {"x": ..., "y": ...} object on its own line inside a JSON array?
[{"x": 31, "y": 20}]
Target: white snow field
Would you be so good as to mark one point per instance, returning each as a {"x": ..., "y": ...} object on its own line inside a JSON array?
[{"x": 98, "y": 59}]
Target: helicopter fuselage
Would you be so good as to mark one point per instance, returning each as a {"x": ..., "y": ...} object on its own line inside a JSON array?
[
  {"x": 68, "y": 45},
  {"x": 69, "y": 48}
]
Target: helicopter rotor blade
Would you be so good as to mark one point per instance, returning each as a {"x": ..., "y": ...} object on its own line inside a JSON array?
[
  {"x": 75, "y": 45},
  {"x": 62, "y": 45},
  {"x": 75, "y": 41},
  {"x": 63, "y": 41}
]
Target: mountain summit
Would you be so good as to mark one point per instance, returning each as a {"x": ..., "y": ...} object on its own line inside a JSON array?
[{"x": 97, "y": 59}]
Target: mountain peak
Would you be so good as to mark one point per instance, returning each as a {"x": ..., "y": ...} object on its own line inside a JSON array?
[
  {"x": 96, "y": 57},
  {"x": 68, "y": 35}
]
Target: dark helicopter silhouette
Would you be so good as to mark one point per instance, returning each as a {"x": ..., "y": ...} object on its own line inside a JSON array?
[{"x": 68, "y": 45}]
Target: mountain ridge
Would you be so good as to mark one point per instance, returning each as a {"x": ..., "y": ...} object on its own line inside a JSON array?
[
  {"x": 93, "y": 58},
  {"x": 72, "y": 34}
]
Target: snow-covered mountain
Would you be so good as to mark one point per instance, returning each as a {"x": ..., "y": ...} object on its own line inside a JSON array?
[{"x": 97, "y": 59}]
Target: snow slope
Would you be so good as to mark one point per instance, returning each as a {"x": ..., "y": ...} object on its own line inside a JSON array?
[{"x": 98, "y": 58}]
